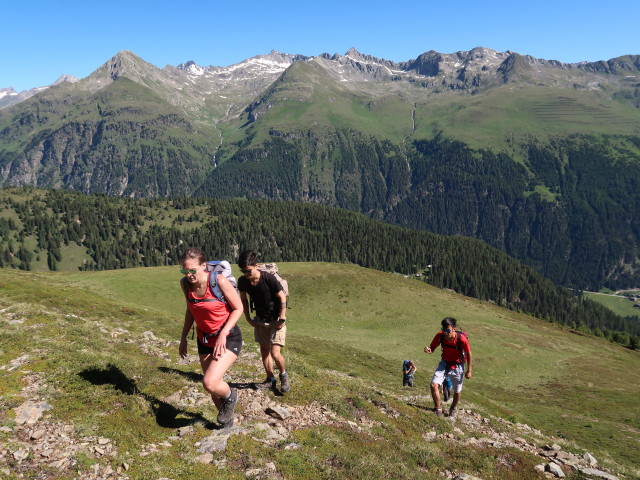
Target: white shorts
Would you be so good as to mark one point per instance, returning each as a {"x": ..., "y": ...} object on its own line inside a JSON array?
[{"x": 455, "y": 374}]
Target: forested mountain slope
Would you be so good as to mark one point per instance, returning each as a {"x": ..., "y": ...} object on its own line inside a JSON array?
[
  {"x": 538, "y": 158},
  {"x": 65, "y": 230}
]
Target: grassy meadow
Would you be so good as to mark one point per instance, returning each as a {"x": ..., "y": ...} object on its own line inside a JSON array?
[
  {"x": 349, "y": 328},
  {"x": 616, "y": 303}
]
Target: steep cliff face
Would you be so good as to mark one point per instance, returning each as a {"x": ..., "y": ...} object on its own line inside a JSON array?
[
  {"x": 122, "y": 140},
  {"x": 80, "y": 156}
]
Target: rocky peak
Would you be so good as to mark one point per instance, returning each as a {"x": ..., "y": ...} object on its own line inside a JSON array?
[
  {"x": 7, "y": 91},
  {"x": 192, "y": 68},
  {"x": 427, "y": 64},
  {"x": 66, "y": 78},
  {"x": 9, "y": 97},
  {"x": 124, "y": 64},
  {"x": 618, "y": 65}
]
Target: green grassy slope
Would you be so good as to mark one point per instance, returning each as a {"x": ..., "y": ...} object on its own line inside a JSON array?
[
  {"x": 359, "y": 322},
  {"x": 307, "y": 97},
  {"x": 503, "y": 115},
  {"x": 616, "y": 303}
]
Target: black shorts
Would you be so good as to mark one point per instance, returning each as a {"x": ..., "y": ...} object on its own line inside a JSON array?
[{"x": 234, "y": 343}]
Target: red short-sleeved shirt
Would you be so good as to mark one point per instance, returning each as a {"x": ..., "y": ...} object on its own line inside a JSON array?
[
  {"x": 451, "y": 355},
  {"x": 208, "y": 313}
]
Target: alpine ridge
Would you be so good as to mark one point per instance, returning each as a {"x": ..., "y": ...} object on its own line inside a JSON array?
[{"x": 536, "y": 157}]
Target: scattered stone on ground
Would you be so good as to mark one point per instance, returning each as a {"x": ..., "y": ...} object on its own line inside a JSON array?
[{"x": 37, "y": 441}]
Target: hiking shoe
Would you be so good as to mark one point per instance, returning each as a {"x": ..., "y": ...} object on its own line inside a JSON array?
[
  {"x": 284, "y": 382},
  {"x": 453, "y": 412},
  {"x": 225, "y": 415},
  {"x": 438, "y": 412},
  {"x": 268, "y": 383}
]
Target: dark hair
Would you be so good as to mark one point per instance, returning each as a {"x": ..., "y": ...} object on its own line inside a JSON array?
[
  {"x": 247, "y": 258},
  {"x": 194, "y": 253},
  {"x": 448, "y": 322}
]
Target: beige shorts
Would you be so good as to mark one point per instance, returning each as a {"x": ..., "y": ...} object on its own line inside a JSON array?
[{"x": 270, "y": 335}]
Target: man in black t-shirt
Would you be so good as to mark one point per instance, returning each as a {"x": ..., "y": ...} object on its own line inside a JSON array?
[{"x": 270, "y": 303}]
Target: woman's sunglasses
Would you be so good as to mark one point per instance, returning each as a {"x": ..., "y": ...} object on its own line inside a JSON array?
[{"x": 192, "y": 271}]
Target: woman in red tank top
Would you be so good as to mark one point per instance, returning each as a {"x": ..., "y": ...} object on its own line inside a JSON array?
[{"x": 219, "y": 338}]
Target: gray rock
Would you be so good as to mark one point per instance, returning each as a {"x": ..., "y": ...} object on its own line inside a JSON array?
[
  {"x": 217, "y": 441},
  {"x": 21, "y": 454},
  {"x": 555, "y": 469},
  {"x": 267, "y": 433},
  {"x": 278, "y": 412},
  {"x": 567, "y": 458},
  {"x": 464, "y": 476},
  {"x": 593, "y": 472},
  {"x": 174, "y": 398},
  {"x": 37, "y": 434},
  {"x": 30, "y": 412},
  {"x": 430, "y": 436},
  {"x": 205, "y": 458},
  {"x": 590, "y": 459}
]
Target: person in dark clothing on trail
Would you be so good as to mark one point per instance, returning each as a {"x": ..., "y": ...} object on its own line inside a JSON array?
[
  {"x": 408, "y": 369},
  {"x": 269, "y": 325},
  {"x": 455, "y": 353}
]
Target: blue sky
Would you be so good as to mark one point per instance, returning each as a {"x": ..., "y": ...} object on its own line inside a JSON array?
[{"x": 41, "y": 40}]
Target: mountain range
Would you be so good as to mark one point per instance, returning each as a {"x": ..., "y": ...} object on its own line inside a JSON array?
[
  {"x": 536, "y": 157},
  {"x": 8, "y": 96}
]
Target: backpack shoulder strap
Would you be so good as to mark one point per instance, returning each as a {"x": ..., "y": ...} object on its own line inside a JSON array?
[
  {"x": 459, "y": 339},
  {"x": 184, "y": 286},
  {"x": 213, "y": 285}
]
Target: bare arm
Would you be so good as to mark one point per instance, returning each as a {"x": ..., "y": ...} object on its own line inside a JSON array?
[
  {"x": 468, "y": 372},
  {"x": 188, "y": 322},
  {"x": 434, "y": 344},
  {"x": 283, "y": 307},
  {"x": 233, "y": 300},
  {"x": 246, "y": 309}
]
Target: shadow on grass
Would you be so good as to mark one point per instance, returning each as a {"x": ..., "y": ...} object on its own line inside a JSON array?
[
  {"x": 422, "y": 407},
  {"x": 191, "y": 376},
  {"x": 167, "y": 415},
  {"x": 197, "y": 378}
]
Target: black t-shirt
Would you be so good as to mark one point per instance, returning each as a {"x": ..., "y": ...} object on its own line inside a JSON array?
[{"x": 264, "y": 295}]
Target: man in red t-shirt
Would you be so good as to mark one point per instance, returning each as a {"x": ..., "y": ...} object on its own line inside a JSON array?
[{"x": 455, "y": 352}]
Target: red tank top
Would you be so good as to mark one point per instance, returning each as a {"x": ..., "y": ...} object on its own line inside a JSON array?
[{"x": 208, "y": 312}]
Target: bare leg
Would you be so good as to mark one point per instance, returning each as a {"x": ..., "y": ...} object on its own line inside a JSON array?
[
  {"x": 456, "y": 399},
  {"x": 214, "y": 370},
  {"x": 435, "y": 394},
  {"x": 265, "y": 352},
  {"x": 277, "y": 357}
]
